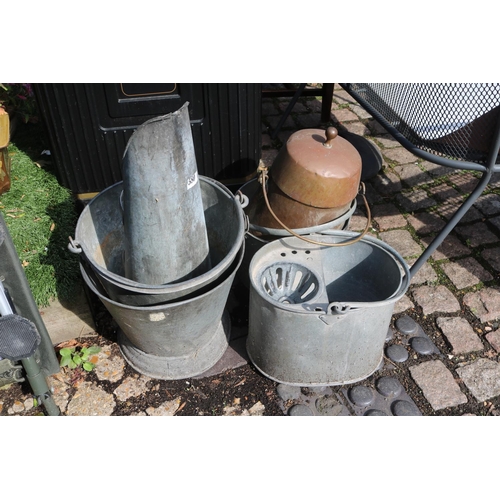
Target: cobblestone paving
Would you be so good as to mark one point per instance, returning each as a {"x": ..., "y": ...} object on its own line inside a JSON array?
[{"x": 456, "y": 295}]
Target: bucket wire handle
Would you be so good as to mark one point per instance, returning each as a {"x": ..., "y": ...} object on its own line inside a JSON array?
[{"x": 263, "y": 176}]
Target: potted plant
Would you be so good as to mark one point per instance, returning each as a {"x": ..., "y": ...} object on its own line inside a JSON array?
[{"x": 17, "y": 104}]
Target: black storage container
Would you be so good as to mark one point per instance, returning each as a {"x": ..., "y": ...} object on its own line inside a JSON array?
[{"x": 89, "y": 125}]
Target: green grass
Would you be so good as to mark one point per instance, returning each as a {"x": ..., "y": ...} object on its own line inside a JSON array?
[{"x": 40, "y": 215}]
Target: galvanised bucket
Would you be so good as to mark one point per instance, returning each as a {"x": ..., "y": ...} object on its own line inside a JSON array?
[
  {"x": 172, "y": 341},
  {"x": 319, "y": 315},
  {"x": 99, "y": 238}
]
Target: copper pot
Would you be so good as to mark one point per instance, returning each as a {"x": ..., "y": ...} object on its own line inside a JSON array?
[{"x": 312, "y": 181}]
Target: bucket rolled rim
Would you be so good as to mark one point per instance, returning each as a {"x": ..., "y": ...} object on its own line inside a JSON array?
[
  {"x": 268, "y": 231},
  {"x": 188, "y": 285},
  {"x": 334, "y": 236},
  {"x": 90, "y": 283}
]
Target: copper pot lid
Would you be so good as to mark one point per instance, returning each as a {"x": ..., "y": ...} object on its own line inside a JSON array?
[{"x": 318, "y": 168}]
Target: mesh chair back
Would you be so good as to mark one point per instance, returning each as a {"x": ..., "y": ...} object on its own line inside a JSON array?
[{"x": 452, "y": 120}]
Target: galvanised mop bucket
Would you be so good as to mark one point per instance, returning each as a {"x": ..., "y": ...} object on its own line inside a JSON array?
[
  {"x": 319, "y": 315},
  {"x": 172, "y": 341}
]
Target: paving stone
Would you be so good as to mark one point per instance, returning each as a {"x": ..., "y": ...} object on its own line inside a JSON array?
[
  {"x": 358, "y": 222},
  {"x": 59, "y": 386},
  {"x": 463, "y": 181},
  {"x": 266, "y": 141},
  {"x": 451, "y": 247},
  {"x": 342, "y": 97},
  {"x": 372, "y": 196},
  {"x": 284, "y": 135},
  {"x": 436, "y": 299},
  {"x": 402, "y": 242},
  {"x": 425, "y": 274},
  {"x": 425, "y": 223},
  {"x": 166, "y": 409},
  {"x": 411, "y": 175},
  {"x": 488, "y": 204},
  {"x": 415, "y": 200},
  {"x": 387, "y": 182},
  {"x": 484, "y": 304},
  {"x": 274, "y": 120},
  {"x": 448, "y": 210},
  {"x": 269, "y": 109},
  {"x": 328, "y": 406},
  {"x": 300, "y": 411},
  {"x": 314, "y": 105},
  {"x": 460, "y": 335},
  {"x": 299, "y": 107},
  {"x": 90, "y": 400},
  {"x": 388, "y": 141},
  {"x": 131, "y": 387},
  {"x": 445, "y": 193},
  {"x": 375, "y": 128},
  {"x": 403, "y": 304},
  {"x": 477, "y": 234},
  {"x": 344, "y": 115},
  {"x": 110, "y": 368},
  {"x": 495, "y": 221},
  {"x": 494, "y": 181},
  {"x": 28, "y": 404},
  {"x": 357, "y": 128},
  {"x": 361, "y": 113},
  {"x": 437, "y": 384},
  {"x": 466, "y": 272},
  {"x": 494, "y": 339},
  {"x": 310, "y": 120},
  {"x": 17, "y": 407},
  {"x": 434, "y": 169},
  {"x": 492, "y": 255},
  {"x": 286, "y": 392},
  {"x": 268, "y": 156},
  {"x": 400, "y": 155},
  {"x": 388, "y": 216},
  {"x": 482, "y": 378}
]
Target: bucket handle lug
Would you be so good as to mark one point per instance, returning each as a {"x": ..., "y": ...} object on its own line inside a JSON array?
[
  {"x": 242, "y": 198},
  {"x": 335, "y": 312},
  {"x": 338, "y": 308},
  {"x": 74, "y": 246}
]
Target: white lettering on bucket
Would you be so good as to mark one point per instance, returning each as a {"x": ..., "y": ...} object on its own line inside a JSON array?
[
  {"x": 192, "y": 180},
  {"x": 156, "y": 316}
]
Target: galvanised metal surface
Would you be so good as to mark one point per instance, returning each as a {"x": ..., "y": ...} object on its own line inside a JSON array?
[
  {"x": 257, "y": 236},
  {"x": 165, "y": 235},
  {"x": 172, "y": 341},
  {"x": 99, "y": 237},
  {"x": 319, "y": 315}
]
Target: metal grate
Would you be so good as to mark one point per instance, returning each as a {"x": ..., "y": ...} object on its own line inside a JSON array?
[
  {"x": 19, "y": 337},
  {"x": 451, "y": 120},
  {"x": 289, "y": 283}
]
